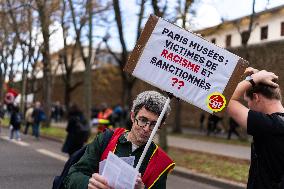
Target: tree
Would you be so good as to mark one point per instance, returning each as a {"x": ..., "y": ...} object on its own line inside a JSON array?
[
  {"x": 183, "y": 13},
  {"x": 67, "y": 56},
  {"x": 85, "y": 19},
  {"x": 45, "y": 11},
  {"x": 22, "y": 22},
  {"x": 245, "y": 34},
  {"x": 8, "y": 44},
  {"x": 22, "y": 25},
  {"x": 127, "y": 80},
  {"x": 4, "y": 36},
  {"x": 163, "y": 132},
  {"x": 34, "y": 50}
]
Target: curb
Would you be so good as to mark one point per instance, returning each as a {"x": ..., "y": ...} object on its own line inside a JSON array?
[{"x": 207, "y": 179}]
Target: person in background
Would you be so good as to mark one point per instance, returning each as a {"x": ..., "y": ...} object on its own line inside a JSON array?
[
  {"x": 37, "y": 116},
  {"x": 2, "y": 114},
  {"x": 232, "y": 128},
  {"x": 117, "y": 115},
  {"x": 28, "y": 118},
  {"x": 213, "y": 121},
  {"x": 15, "y": 122},
  {"x": 58, "y": 111},
  {"x": 104, "y": 118},
  {"x": 77, "y": 135},
  {"x": 201, "y": 121}
]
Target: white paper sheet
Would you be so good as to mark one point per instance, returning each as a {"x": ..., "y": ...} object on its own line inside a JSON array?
[
  {"x": 118, "y": 173},
  {"x": 129, "y": 160}
]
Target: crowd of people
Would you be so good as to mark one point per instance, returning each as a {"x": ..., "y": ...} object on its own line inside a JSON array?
[
  {"x": 106, "y": 117},
  {"x": 77, "y": 128},
  {"x": 216, "y": 126},
  {"x": 33, "y": 117}
]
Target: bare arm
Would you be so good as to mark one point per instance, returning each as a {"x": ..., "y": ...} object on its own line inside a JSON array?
[{"x": 235, "y": 108}]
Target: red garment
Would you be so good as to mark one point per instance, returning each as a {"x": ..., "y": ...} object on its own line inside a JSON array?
[
  {"x": 158, "y": 164},
  {"x": 105, "y": 114},
  {"x": 10, "y": 96},
  {"x": 100, "y": 115}
]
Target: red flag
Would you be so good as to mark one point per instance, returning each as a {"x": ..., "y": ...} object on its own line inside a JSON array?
[{"x": 10, "y": 96}]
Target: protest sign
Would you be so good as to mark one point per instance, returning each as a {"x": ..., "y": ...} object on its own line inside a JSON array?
[{"x": 186, "y": 65}]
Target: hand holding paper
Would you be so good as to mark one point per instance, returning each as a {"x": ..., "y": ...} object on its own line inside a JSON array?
[
  {"x": 98, "y": 181},
  {"x": 139, "y": 184},
  {"x": 119, "y": 174}
]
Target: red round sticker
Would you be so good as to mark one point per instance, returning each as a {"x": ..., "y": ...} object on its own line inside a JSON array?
[{"x": 216, "y": 102}]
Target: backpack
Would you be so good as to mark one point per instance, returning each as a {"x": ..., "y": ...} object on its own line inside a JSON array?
[
  {"x": 18, "y": 118},
  {"x": 42, "y": 116},
  {"x": 81, "y": 124},
  {"x": 75, "y": 157}
]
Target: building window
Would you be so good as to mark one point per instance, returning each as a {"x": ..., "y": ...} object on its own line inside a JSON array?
[
  {"x": 228, "y": 40},
  {"x": 263, "y": 32},
  {"x": 282, "y": 28},
  {"x": 213, "y": 40},
  {"x": 245, "y": 35}
]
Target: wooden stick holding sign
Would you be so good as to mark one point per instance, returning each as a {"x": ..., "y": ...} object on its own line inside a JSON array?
[{"x": 153, "y": 134}]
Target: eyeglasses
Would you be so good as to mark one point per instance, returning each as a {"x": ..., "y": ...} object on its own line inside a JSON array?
[{"x": 143, "y": 121}]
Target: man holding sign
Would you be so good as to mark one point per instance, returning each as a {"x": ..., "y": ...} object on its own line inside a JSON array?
[{"x": 154, "y": 168}]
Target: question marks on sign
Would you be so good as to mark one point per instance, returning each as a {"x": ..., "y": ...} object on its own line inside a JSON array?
[
  {"x": 176, "y": 80},
  {"x": 181, "y": 84}
]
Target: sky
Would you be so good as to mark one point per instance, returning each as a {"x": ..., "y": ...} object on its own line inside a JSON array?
[{"x": 209, "y": 13}]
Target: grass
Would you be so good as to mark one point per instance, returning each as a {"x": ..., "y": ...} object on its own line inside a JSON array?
[
  {"x": 242, "y": 142},
  {"x": 5, "y": 122},
  {"x": 54, "y": 132},
  {"x": 215, "y": 165}
]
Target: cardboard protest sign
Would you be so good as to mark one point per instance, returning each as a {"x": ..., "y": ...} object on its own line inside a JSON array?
[{"x": 185, "y": 64}]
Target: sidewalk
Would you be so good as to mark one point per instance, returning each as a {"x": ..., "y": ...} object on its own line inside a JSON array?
[{"x": 235, "y": 151}]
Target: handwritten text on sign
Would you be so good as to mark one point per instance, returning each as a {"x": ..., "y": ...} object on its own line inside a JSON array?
[{"x": 184, "y": 64}]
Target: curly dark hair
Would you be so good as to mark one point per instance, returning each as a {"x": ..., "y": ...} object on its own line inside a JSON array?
[{"x": 151, "y": 101}]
